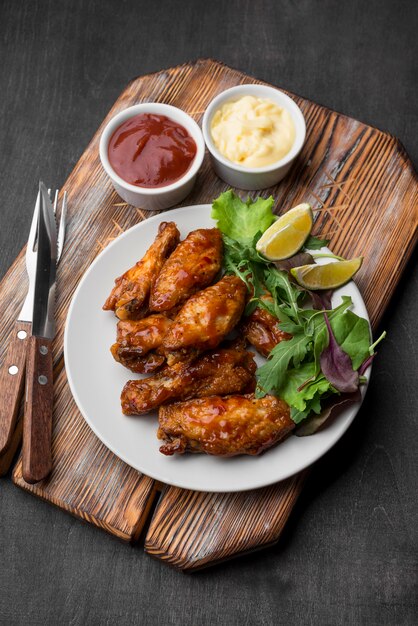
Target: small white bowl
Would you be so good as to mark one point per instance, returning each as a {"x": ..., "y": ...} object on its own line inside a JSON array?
[
  {"x": 153, "y": 198},
  {"x": 260, "y": 177}
]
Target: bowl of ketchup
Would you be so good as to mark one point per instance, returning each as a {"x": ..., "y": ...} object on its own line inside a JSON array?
[{"x": 152, "y": 153}]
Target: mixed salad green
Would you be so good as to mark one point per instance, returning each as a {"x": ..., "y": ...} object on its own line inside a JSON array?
[{"x": 320, "y": 369}]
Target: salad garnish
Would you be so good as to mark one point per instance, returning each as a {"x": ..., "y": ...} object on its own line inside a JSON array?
[{"x": 321, "y": 367}]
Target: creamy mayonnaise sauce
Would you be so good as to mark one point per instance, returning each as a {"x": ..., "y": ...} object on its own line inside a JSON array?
[{"x": 253, "y": 132}]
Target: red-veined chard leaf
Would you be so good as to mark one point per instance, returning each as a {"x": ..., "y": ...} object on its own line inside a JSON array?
[{"x": 336, "y": 364}]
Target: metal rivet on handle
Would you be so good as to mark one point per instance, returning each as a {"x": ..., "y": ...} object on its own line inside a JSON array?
[
  {"x": 42, "y": 380},
  {"x": 43, "y": 350},
  {"x": 13, "y": 370},
  {"x": 22, "y": 334}
]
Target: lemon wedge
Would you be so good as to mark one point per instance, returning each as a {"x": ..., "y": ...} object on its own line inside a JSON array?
[
  {"x": 327, "y": 276},
  {"x": 287, "y": 234}
]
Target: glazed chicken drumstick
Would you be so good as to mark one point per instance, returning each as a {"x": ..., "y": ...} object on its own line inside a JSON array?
[
  {"x": 192, "y": 266},
  {"x": 262, "y": 330},
  {"x": 129, "y": 297},
  {"x": 138, "y": 342},
  {"x": 224, "y": 426},
  {"x": 205, "y": 319},
  {"x": 222, "y": 371}
]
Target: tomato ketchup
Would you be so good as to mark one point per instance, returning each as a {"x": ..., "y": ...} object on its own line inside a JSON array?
[{"x": 151, "y": 150}]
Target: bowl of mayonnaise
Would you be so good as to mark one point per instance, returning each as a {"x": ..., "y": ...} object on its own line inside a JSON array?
[{"x": 253, "y": 133}]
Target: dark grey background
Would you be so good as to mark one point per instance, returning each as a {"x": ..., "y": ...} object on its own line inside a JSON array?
[{"x": 349, "y": 553}]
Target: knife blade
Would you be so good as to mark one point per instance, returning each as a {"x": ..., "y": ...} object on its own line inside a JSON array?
[
  {"x": 37, "y": 423},
  {"x": 43, "y": 314}
]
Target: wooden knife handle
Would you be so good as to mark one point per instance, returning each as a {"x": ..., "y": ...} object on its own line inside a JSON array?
[
  {"x": 37, "y": 423},
  {"x": 12, "y": 376}
]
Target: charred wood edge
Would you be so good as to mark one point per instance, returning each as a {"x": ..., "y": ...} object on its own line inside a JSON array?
[
  {"x": 190, "y": 560},
  {"x": 38, "y": 490}
]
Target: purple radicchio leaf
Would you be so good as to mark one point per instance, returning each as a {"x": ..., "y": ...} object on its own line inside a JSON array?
[
  {"x": 303, "y": 258},
  {"x": 336, "y": 365},
  {"x": 363, "y": 367},
  {"x": 321, "y": 299},
  {"x": 334, "y": 406}
]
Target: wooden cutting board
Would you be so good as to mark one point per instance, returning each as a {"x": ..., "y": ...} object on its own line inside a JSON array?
[{"x": 366, "y": 188}]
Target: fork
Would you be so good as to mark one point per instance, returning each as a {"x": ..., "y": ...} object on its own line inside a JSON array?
[{"x": 12, "y": 373}]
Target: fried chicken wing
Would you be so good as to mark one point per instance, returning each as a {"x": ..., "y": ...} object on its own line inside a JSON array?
[
  {"x": 262, "y": 330},
  {"x": 146, "y": 364},
  {"x": 129, "y": 297},
  {"x": 205, "y": 319},
  {"x": 137, "y": 340},
  {"x": 192, "y": 266},
  {"x": 224, "y": 426},
  {"x": 220, "y": 372}
]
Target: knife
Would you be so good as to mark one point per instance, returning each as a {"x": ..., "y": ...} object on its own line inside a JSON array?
[
  {"x": 12, "y": 374},
  {"x": 37, "y": 422}
]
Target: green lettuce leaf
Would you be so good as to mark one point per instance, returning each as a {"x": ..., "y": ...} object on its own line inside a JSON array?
[
  {"x": 242, "y": 220},
  {"x": 287, "y": 294},
  {"x": 287, "y": 354},
  {"x": 271, "y": 375},
  {"x": 244, "y": 262},
  {"x": 304, "y": 398},
  {"x": 353, "y": 335},
  {"x": 315, "y": 243},
  {"x": 351, "y": 332}
]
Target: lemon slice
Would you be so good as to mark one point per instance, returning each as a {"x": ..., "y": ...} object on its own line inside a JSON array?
[
  {"x": 327, "y": 276},
  {"x": 287, "y": 235}
]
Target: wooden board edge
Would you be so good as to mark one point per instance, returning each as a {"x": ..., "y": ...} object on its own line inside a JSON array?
[
  {"x": 7, "y": 458},
  {"x": 19, "y": 258},
  {"x": 34, "y": 490},
  {"x": 191, "y": 63},
  {"x": 212, "y": 61},
  {"x": 150, "y": 502},
  {"x": 187, "y": 562}
]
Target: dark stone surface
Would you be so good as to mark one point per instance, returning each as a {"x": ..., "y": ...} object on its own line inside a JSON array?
[{"x": 349, "y": 552}]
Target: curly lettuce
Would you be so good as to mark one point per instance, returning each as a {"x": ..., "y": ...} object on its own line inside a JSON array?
[{"x": 242, "y": 221}]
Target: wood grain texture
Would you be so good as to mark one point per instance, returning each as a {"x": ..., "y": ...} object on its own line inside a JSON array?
[
  {"x": 39, "y": 401},
  {"x": 12, "y": 381},
  {"x": 192, "y": 530},
  {"x": 363, "y": 184},
  {"x": 6, "y": 459},
  {"x": 87, "y": 480}
]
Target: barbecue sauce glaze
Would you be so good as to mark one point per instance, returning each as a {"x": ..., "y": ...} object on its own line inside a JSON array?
[{"x": 151, "y": 150}]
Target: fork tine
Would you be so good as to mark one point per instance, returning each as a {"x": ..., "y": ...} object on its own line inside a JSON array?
[
  {"x": 56, "y": 201},
  {"x": 61, "y": 229},
  {"x": 34, "y": 225}
]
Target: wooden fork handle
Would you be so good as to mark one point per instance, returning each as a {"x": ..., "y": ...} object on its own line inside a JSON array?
[
  {"x": 37, "y": 423},
  {"x": 12, "y": 376}
]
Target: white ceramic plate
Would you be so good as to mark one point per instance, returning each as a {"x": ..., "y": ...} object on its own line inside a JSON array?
[{"x": 96, "y": 381}]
